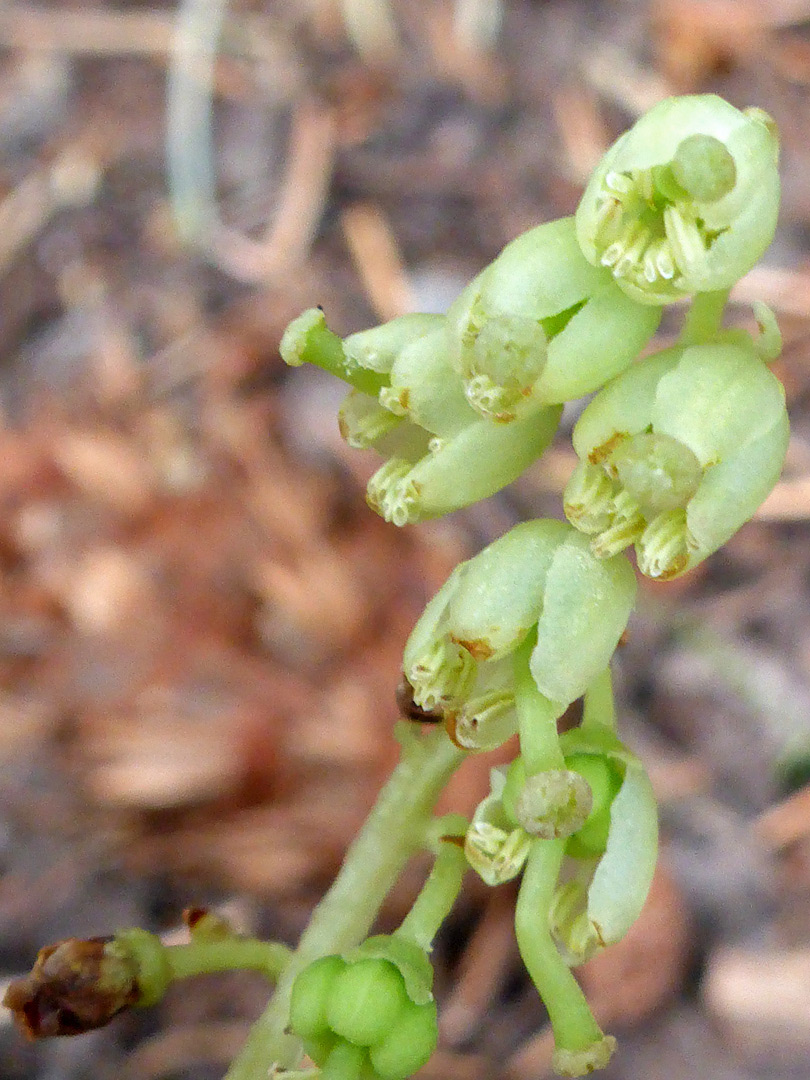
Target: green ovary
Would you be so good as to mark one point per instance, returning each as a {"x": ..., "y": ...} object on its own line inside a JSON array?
[
  {"x": 659, "y": 472},
  {"x": 604, "y": 781}
]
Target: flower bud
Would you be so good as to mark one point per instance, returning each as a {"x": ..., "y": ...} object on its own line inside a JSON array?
[
  {"x": 684, "y": 202},
  {"x": 540, "y": 573},
  {"x": 372, "y": 1005},
  {"x": 676, "y": 454},
  {"x": 540, "y": 326},
  {"x": 408, "y": 403}
]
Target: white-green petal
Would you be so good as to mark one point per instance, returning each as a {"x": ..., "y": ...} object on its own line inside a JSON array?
[
  {"x": 425, "y": 387},
  {"x": 586, "y": 605},
  {"x": 377, "y": 349},
  {"x": 501, "y": 595},
  {"x": 598, "y": 343},
  {"x": 731, "y": 492},
  {"x": 624, "y": 873},
  {"x": 480, "y": 460},
  {"x": 715, "y": 399},
  {"x": 624, "y": 406}
]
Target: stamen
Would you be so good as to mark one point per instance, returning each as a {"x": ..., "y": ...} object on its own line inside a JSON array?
[
  {"x": 589, "y": 498},
  {"x": 442, "y": 676},
  {"x": 487, "y": 721},
  {"x": 687, "y": 244},
  {"x": 625, "y": 530},
  {"x": 392, "y": 495},
  {"x": 663, "y": 550},
  {"x": 618, "y": 182}
]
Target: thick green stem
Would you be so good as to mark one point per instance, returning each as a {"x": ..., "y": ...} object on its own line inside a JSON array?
[
  {"x": 571, "y": 1018},
  {"x": 308, "y": 340},
  {"x": 433, "y": 904},
  {"x": 599, "y": 708},
  {"x": 392, "y": 833},
  {"x": 537, "y": 717},
  {"x": 704, "y": 319},
  {"x": 227, "y": 954}
]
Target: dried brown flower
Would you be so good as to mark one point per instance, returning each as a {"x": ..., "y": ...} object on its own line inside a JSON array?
[{"x": 74, "y": 986}]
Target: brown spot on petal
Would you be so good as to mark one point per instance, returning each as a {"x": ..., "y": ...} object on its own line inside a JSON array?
[
  {"x": 479, "y": 648},
  {"x": 599, "y": 453},
  {"x": 450, "y": 726}
]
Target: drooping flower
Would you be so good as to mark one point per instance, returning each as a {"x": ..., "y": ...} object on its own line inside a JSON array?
[
  {"x": 676, "y": 454},
  {"x": 541, "y": 326},
  {"x": 408, "y": 404},
  {"x": 539, "y": 577},
  {"x": 685, "y": 201}
]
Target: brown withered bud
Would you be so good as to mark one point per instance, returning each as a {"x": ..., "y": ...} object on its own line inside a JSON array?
[
  {"x": 408, "y": 708},
  {"x": 74, "y": 986}
]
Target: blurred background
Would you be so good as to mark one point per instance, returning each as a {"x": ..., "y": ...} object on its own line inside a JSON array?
[{"x": 200, "y": 620}]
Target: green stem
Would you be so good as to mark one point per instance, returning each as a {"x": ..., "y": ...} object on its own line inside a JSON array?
[
  {"x": 704, "y": 319},
  {"x": 599, "y": 708},
  {"x": 433, "y": 904},
  {"x": 571, "y": 1018},
  {"x": 308, "y": 340},
  {"x": 227, "y": 954},
  {"x": 392, "y": 833},
  {"x": 537, "y": 717}
]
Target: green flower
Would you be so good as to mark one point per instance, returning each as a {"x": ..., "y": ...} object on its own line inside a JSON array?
[
  {"x": 684, "y": 202},
  {"x": 408, "y": 404},
  {"x": 540, "y": 326},
  {"x": 540, "y": 577},
  {"x": 369, "y": 1013},
  {"x": 611, "y": 857},
  {"x": 676, "y": 454}
]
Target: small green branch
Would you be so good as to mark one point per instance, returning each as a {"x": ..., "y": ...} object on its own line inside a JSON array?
[
  {"x": 571, "y": 1018},
  {"x": 308, "y": 340},
  {"x": 433, "y": 904},
  {"x": 537, "y": 717},
  {"x": 704, "y": 319},
  {"x": 227, "y": 954},
  {"x": 393, "y": 832},
  {"x": 599, "y": 708}
]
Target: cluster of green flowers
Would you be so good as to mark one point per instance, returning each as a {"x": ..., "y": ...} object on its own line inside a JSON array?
[{"x": 676, "y": 451}]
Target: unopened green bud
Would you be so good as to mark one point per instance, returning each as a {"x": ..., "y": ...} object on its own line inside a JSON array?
[
  {"x": 677, "y": 453},
  {"x": 684, "y": 202},
  {"x": 365, "y": 1001},
  {"x": 310, "y": 995},
  {"x": 541, "y": 326},
  {"x": 409, "y": 1045},
  {"x": 374, "y": 1000}
]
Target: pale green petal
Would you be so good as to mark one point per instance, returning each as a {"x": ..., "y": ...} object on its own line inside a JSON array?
[
  {"x": 426, "y": 388},
  {"x": 377, "y": 349},
  {"x": 732, "y": 491},
  {"x": 501, "y": 595},
  {"x": 716, "y": 399},
  {"x": 586, "y": 605}
]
